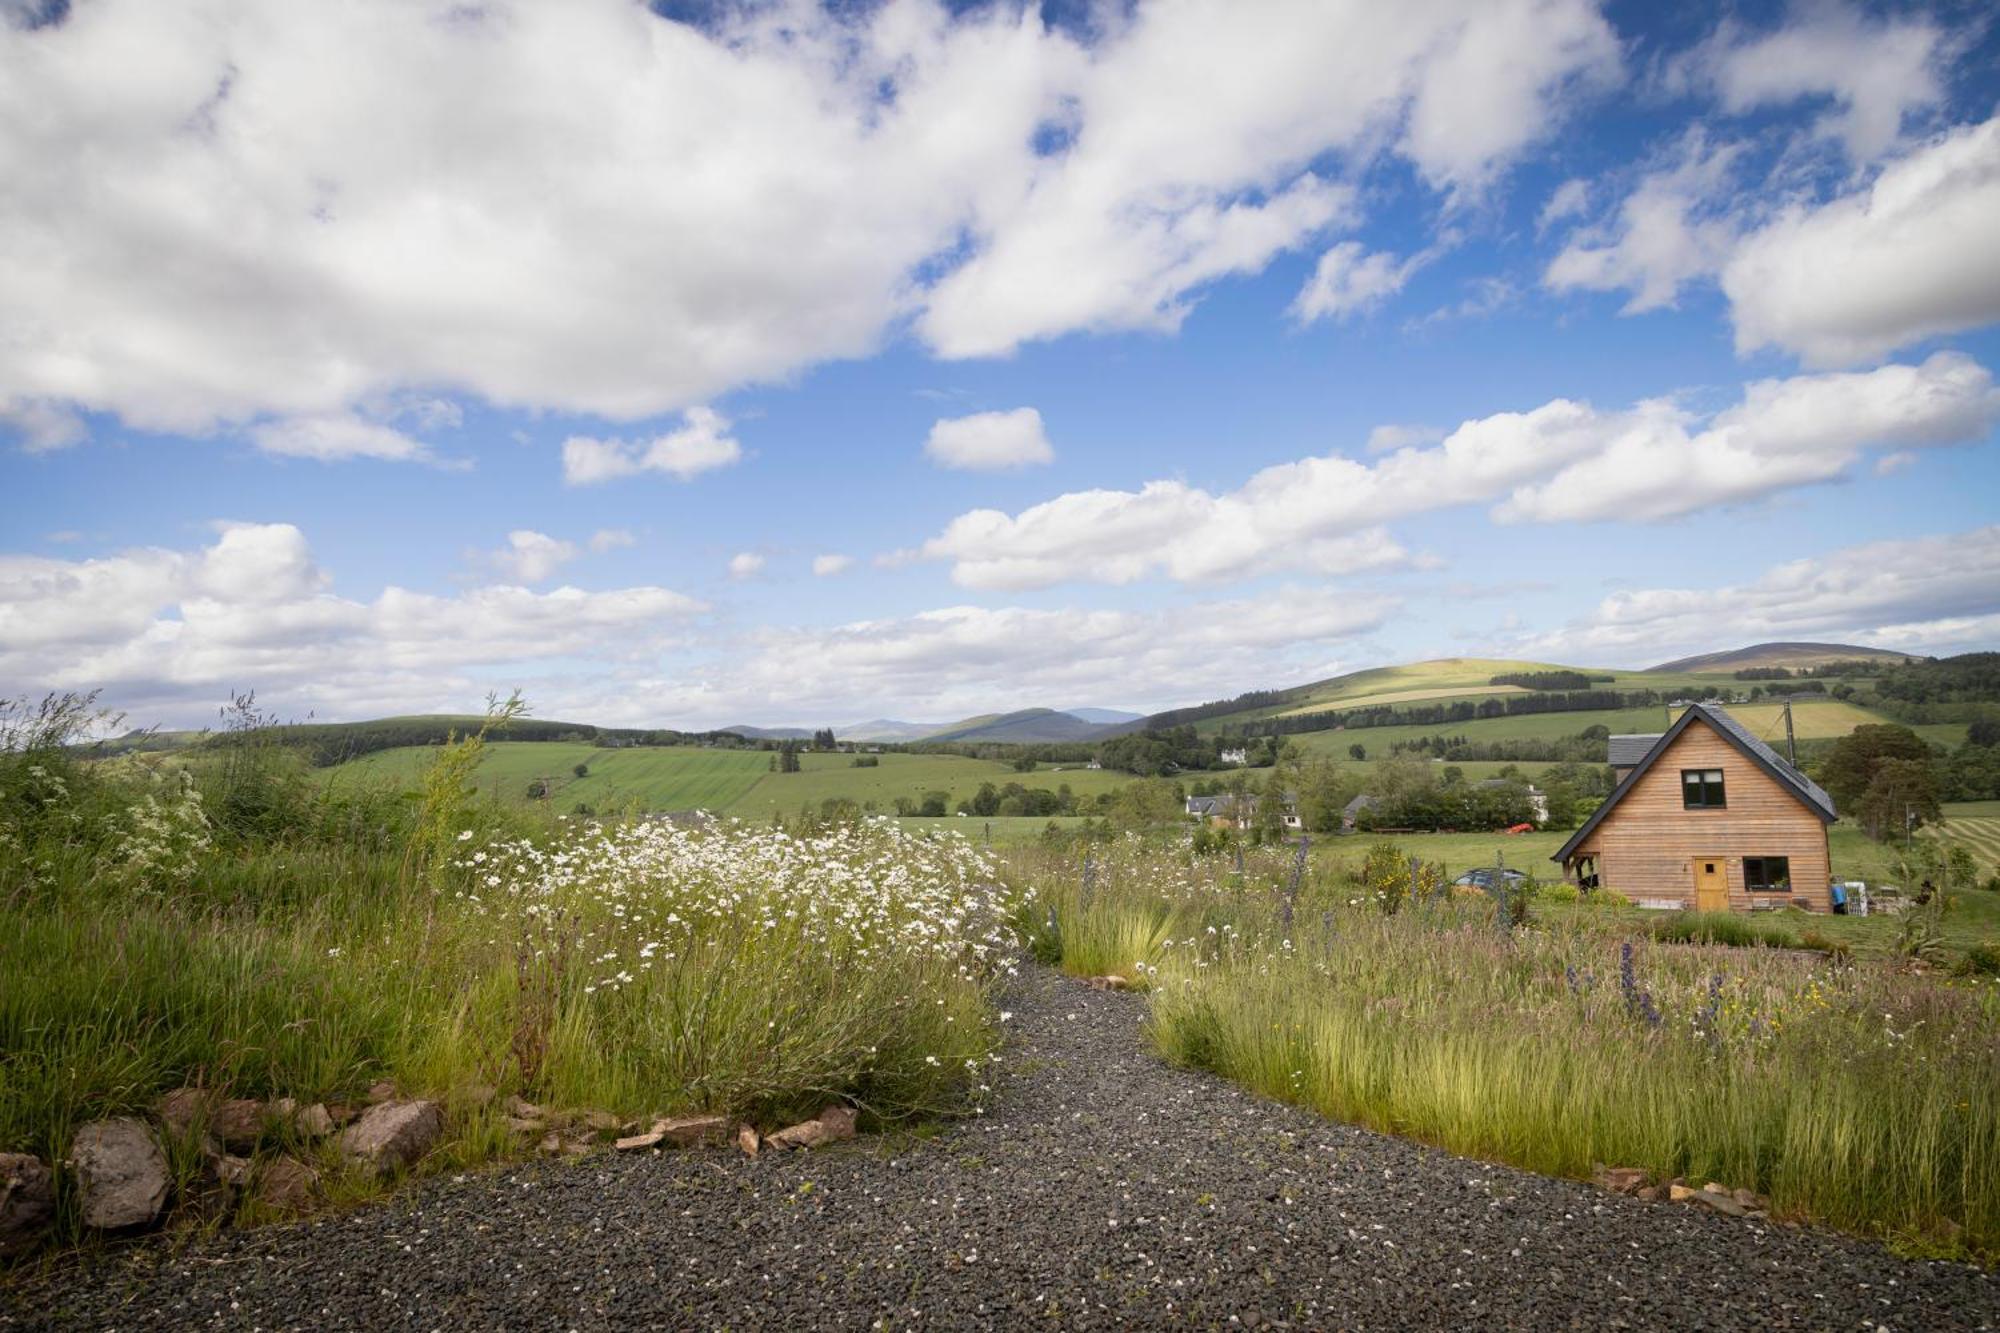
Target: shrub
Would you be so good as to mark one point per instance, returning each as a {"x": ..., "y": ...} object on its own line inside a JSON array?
[
  {"x": 1981, "y": 960},
  {"x": 1385, "y": 875}
]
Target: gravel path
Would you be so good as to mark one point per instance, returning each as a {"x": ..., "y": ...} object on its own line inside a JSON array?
[{"x": 1103, "y": 1189}]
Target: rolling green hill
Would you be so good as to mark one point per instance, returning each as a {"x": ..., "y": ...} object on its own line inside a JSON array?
[
  {"x": 1027, "y": 726},
  {"x": 1790, "y": 655}
]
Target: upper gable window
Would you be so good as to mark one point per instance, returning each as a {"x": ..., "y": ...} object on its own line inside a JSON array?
[{"x": 1701, "y": 788}]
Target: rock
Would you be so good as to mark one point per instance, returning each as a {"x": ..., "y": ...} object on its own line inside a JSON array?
[
  {"x": 748, "y": 1141},
  {"x": 523, "y": 1110},
  {"x": 1721, "y": 1202},
  {"x": 599, "y": 1122},
  {"x": 1745, "y": 1197},
  {"x": 839, "y": 1123},
  {"x": 686, "y": 1131},
  {"x": 27, "y": 1202},
  {"x": 1680, "y": 1193},
  {"x": 392, "y": 1134},
  {"x": 314, "y": 1122},
  {"x": 1622, "y": 1179},
  {"x": 181, "y": 1110},
  {"x": 121, "y": 1173},
  {"x": 341, "y": 1114},
  {"x": 379, "y": 1093},
  {"x": 1112, "y": 982},
  {"x": 805, "y": 1134},
  {"x": 238, "y": 1122},
  {"x": 232, "y": 1171},
  {"x": 1650, "y": 1194},
  {"x": 552, "y": 1143},
  {"x": 639, "y": 1142},
  {"x": 833, "y": 1125},
  {"x": 479, "y": 1095},
  {"x": 527, "y": 1129},
  {"x": 286, "y": 1185}
]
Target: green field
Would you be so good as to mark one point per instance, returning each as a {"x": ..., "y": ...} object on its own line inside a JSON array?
[
  {"x": 731, "y": 782},
  {"x": 676, "y": 777},
  {"x": 825, "y": 777}
]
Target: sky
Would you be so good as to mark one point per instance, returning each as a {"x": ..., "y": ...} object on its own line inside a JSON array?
[{"x": 703, "y": 363}]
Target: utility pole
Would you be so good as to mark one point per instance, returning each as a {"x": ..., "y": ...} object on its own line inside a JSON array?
[{"x": 1791, "y": 741}]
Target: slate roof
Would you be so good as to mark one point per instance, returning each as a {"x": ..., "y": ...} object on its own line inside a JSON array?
[
  {"x": 1627, "y": 751},
  {"x": 1809, "y": 793}
]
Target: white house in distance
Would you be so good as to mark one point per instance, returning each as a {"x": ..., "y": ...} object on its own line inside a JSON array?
[{"x": 1238, "y": 757}]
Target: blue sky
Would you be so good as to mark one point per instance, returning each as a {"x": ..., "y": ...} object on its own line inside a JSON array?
[{"x": 780, "y": 364}]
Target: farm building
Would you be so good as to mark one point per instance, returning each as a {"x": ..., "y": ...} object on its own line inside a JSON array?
[
  {"x": 1238, "y": 812},
  {"x": 1709, "y": 817}
]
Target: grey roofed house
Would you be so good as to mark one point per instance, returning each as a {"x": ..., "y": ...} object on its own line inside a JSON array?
[
  {"x": 1808, "y": 792},
  {"x": 1352, "y": 810},
  {"x": 1627, "y": 751},
  {"x": 1207, "y": 807}
]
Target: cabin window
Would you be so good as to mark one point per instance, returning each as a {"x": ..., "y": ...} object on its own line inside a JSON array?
[
  {"x": 1701, "y": 788},
  {"x": 1767, "y": 874}
]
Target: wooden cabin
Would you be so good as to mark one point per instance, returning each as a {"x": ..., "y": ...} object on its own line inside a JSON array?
[{"x": 1709, "y": 818}]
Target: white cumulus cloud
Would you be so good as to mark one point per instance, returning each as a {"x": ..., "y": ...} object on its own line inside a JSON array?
[
  {"x": 1917, "y": 594},
  {"x": 218, "y": 217},
  {"x": 334, "y": 437},
  {"x": 532, "y": 557},
  {"x": 1349, "y": 279},
  {"x": 1564, "y": 461},
  {"x": 172, "y": 632},
  {"x": 1877, "y": 72},
  {"x": 702, "y": 444},
  {"x": 826, "y": 566},
  {"x": 1910, "y": 256},
  {"x": 987, "y": 441}
]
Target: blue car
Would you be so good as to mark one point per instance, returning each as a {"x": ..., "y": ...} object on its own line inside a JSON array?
[{"x": 1489, "y": 878}]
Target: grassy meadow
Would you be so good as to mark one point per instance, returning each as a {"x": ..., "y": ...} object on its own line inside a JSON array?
[
  {"x": 1854, "y": 1091},
  {"x": 225, "y": 918},
  {"x": 737, "y": 783},
  {"x": 666, "y": 777}
]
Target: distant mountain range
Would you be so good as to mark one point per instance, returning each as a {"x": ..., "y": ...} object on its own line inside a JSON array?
[{"x": 1027, "y": 725}]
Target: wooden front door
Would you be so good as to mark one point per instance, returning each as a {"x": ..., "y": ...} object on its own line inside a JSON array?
[{"x": 1711, "y": 884}]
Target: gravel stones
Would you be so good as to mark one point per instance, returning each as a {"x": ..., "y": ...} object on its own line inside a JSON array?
[
  {"x": 27, "y": 1202},
  {"x": 392, "y": 1134},
  {"x": 121, "y": 1174},
  {"x": 1101, "y": 1189}
]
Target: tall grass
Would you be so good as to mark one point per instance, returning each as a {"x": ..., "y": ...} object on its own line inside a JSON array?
[
  {"x": 1865, "y": 1097},
  {"x": 211, "y": 919}
]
